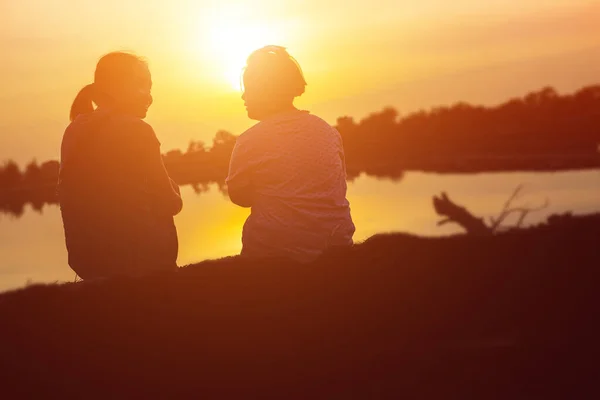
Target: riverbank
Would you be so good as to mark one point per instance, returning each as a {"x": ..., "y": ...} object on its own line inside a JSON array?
[
  {"x": 491, "y": 316},
  {"x": 42, "y": 190}
]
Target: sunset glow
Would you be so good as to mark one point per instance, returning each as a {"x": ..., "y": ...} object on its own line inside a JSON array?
[
  {"x": 231, "y": 37},
  {"x": 429, "y": 60},
  {"x": 357, "y": 59}
]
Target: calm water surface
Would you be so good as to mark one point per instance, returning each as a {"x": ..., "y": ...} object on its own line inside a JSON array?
[{"x": 32, "y": 247}]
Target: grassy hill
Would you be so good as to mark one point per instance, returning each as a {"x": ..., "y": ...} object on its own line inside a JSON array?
[{"x": 511, "y": 315}]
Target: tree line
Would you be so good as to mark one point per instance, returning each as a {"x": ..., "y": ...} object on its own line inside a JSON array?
[{"x": 541, "y": 131}]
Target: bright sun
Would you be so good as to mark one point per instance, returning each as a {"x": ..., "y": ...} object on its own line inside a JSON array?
[{"x": 232, "y": 40}]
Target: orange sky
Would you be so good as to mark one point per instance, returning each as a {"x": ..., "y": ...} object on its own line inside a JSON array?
[{"x": 357, "y": 56}]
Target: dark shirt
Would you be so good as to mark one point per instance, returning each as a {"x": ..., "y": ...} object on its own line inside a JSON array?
[{"x": 117, "y": 200}]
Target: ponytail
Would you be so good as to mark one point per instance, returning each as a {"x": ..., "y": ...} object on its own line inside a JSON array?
[{"x": 83, "y": 102}]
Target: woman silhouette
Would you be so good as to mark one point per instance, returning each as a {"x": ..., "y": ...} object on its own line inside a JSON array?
[
  {"x": 117, "y": 200},
  {"x": 289, "y": 168}
]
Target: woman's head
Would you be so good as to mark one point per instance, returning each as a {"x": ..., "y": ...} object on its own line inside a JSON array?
[
  {"x": 272, "y": 79},
  {"x": 122, "y": 81}
]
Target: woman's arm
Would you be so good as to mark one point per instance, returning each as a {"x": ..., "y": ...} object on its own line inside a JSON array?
[
  {"x": 242, "y": 196},
  {"x": 166, "y": 192},
  {"x": 239, "y": 178}
]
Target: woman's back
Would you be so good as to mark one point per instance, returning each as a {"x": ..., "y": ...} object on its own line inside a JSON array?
[
  {"x": 100, "y": 160},
  {"x": 111, "y": 216}
]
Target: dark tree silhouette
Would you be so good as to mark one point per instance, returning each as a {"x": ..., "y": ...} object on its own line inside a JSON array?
[
  {"x": 542, "y": 131},
  {"x": 10, "y": 175}
]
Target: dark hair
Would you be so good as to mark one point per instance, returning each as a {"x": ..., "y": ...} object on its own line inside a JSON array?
[
  {"x": 276, "y": 67},
  {"x": 114, "y": 70}
]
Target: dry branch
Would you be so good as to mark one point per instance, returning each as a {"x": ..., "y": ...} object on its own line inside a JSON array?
[
  {"x": 460, "y": 215},
  {"x": 452, "y": 212}
]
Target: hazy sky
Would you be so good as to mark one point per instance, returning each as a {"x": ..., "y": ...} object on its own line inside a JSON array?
[{"x": 357, "y": 56}]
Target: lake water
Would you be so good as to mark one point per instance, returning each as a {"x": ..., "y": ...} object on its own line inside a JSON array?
[{"x": 32, "y": 247}]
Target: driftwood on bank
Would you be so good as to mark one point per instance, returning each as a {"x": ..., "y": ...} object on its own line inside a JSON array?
[
  {"x": 452, "y": 212},
  {"x": 460, "y": 215}
]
